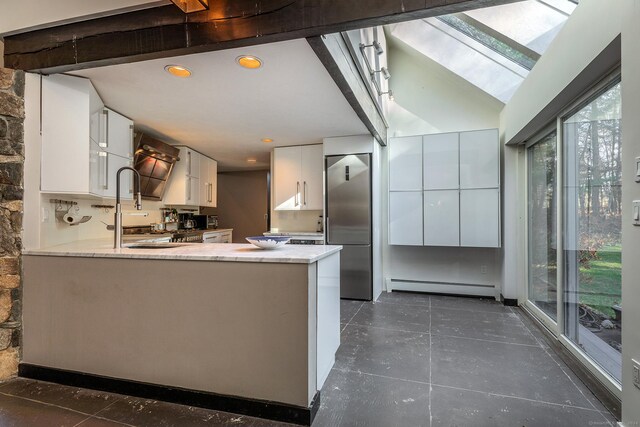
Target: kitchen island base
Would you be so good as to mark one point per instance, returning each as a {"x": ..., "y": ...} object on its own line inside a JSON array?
[{"x": 263, "y": 332}]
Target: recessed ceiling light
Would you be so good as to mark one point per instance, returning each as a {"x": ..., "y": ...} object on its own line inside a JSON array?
[
  {"x": 251, "y": 160},
  {"x": 248, "y": 61},
  {"x": 267, "y": 140},
  {"x": 178, "y": 70}
]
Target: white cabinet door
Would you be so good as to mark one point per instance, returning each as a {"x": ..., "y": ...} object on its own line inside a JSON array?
[
  {"x": 442, "y": 218},
  {"x": 440, "y": 161},
  {"x": 480, "y": 218},
  {"x": 192, "y": 162},
  {"x": 109, "y": 169},
  {"x": 405, "y": 218},
  {"x": 479, "y": 159},
  {"x": 286, "y": 178},
  {"x": 208, "y": 181},
  {"x": 193, "y": 191},
  {"x": 65, "y": 166},
  {"x": 405, "y": 164},
  {"x": 118, "y": 138},
  {"x": 312, "y": 173}
]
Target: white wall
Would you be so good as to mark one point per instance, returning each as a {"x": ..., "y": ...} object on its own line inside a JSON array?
[
  {"x": 430, "y": 99},
  {"x": 41, "y": 229},
  {"x": 630, "y": 191}
]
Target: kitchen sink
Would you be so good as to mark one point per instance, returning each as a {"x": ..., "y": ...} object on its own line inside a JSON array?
[{"x": 152, "y": 246}]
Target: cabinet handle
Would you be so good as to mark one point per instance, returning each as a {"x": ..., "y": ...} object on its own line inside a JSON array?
[
  {"x": 304, "y": 189},
  {"x": 210, "y": 192},
  {"x": 188, "y": 188},
  {"x": 297, "y": 192},
  {"x": 189, "y": 163},
  {"x": 106, "y": 128},
  {"x": 106, "y": 171}
]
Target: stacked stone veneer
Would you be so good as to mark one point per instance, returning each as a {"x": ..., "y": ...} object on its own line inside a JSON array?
[{"x": 11, "y": 194}]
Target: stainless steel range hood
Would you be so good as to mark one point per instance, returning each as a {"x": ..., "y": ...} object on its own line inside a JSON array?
[{"x": 154, "y": 160}]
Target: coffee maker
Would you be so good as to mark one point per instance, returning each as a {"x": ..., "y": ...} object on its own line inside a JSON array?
[{"x": 185, "y": 221}]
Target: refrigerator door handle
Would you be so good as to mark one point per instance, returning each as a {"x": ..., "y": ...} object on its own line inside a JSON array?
[{"x": 326, "y": 225}]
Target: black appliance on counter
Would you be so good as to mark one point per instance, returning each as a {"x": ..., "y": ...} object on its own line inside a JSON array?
[
  {"x": 200, "y": 222},
  {"x": 185, "y": 221}
]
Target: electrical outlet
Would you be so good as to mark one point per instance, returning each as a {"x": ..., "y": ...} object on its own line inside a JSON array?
[
  {"x": 483, "y": 269},
  {"x": 636, "y": 373},
  {"x": 45, "y": 214}
]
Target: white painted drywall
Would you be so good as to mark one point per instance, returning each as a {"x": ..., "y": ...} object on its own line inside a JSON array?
[{"x": 430, "y": 99}]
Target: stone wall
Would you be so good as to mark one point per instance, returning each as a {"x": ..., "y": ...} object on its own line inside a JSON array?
[{"x": 11, "y": 194}]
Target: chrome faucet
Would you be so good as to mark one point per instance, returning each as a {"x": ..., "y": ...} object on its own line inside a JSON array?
[{"x": 118, "y": 215}]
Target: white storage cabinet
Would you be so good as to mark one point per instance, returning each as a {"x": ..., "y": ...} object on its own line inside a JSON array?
[
  {"x": 193, "y": 181},
  {"x": 459, "y": 201},
  {"x": 83, "y": 143},
  {"x": 297, "y": 178}
]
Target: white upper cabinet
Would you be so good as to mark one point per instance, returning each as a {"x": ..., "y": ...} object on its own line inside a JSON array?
[
  {"x": 311, "y": 174},
  {"x": 116, "y": 134},
  {"x": 193, "y": 181},
  {"x": 405, "y": 218},
  {"x": 297, "y": 178},
  {"x": 479, "y": 159},
  {"x": 73, "y": 162},
  {"x": 440, "y": 161},
  {"x": 480, "y": 218},
  {"x": 208, "y": 181},
  {"x": 460, "y": 176},
  {"x": 405, "y": 164},
  {"x": 442, "y": 218}
]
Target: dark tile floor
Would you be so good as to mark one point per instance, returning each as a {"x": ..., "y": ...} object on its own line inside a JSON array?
[{"x": 407, "y": 360}]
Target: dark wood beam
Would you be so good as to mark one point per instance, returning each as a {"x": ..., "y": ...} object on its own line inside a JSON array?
[
  {"x": 166, "y": 31},
  {"x": 334, "y": 55}
]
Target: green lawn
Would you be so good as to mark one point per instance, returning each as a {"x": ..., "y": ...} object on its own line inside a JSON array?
[{"x": 600, "y": 284}]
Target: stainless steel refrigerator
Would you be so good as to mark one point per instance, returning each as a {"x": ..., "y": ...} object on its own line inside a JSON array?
[{"x": 348, "y": 221}]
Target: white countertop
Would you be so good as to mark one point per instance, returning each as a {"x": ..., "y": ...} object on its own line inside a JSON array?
[{"x": 230, "y": 252}]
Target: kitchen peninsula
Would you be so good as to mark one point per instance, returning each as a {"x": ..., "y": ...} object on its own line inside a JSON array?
[{"x": 225, "y": 326}]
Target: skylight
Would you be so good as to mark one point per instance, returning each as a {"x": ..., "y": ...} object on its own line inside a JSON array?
[{"x": 493, "y": 48}]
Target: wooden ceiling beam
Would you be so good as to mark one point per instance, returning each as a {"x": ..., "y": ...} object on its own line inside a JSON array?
[{"x": 166, "y": 31}]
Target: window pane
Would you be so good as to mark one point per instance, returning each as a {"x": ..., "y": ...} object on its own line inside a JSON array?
[
  {"x": 542, "y": 209},
  {"x": 592, "y": 229}
]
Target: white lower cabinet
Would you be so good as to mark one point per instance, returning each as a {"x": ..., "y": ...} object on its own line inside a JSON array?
[
  {"x": 442, "y": 218},
  {"x": 480, "y": 218},
  {"x": 225, "y": 236},
  {"x": 405, "y": 218}
]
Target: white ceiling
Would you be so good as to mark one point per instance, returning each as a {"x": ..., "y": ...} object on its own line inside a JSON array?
[
  {"x": 224, "y": 110},
  {"x": 24, "y": 15}
]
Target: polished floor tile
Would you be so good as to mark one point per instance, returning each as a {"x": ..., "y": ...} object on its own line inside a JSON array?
[
  {"x": 20, "y": 412},
  {"x": 400, "y": 317},
  {"x": 468, "y": 304},
  {"x": 407, "y": 360},
  {"x": 348, "y": 308},
  {"x": 357, "y": 399},
  {"x": 506, "y": 369},
  {"x": 385, "y": 352},
  {"x": 82, "y": 400},
  {"x": 503, "y": 327},
  {"x": 151, "y": 413},
  {"x": 484, "y": 410}
]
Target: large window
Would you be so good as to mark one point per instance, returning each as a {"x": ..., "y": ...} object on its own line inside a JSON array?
[
  {"x": 574, "y": 239},
  {"x": 542, "y": 230},
  {"x": 592, "y": 229}
]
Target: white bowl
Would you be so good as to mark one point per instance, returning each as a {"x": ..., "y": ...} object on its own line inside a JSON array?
[{"x": 268, "y": 242}]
